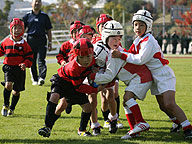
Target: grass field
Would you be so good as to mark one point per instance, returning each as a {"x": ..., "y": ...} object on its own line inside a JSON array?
[{"x": 30, "y": 112}]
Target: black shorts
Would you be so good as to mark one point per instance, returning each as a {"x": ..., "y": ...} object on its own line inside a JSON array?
[
  {"x": 67, "y": 90},
  {"x": 16, "y": 75}
]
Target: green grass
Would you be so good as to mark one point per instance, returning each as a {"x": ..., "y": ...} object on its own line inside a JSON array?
[{"x": 30, "y": 113}]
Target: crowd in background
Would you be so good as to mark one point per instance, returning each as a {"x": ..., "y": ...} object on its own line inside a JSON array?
[{"x": 171, "y": 40}]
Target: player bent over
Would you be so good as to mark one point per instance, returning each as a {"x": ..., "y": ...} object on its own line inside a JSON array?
[{"x": 68, "y": 83}]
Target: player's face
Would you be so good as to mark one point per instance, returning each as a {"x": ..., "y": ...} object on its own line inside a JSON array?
[
  {"x": 139, "y": 28},
  {"x": 87, "y": 36},
  {"x": 74, "y": 34},
  {"x": 36, "y": 4},
  {"x": 85, "y": 61},
  {"x": 114, "y": 42},
  {"x": 17, "y": 30}
]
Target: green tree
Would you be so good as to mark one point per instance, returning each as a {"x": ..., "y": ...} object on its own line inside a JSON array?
[{"x": 7, "y": 8}]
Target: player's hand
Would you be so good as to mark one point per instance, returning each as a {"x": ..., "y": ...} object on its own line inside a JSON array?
[
  {"x": 63, "y": 63},
  {"x": 116, "y": 53},
  {"x": 23, "y": 67},
  {"x": 101, "y": 87}
]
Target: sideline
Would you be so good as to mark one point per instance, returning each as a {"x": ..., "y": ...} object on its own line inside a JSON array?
[{"x": 53, "y": 60}]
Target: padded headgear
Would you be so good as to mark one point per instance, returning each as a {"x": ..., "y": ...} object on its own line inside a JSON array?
[
  {"x": 101, "y": 55},
  {"x": 102, "y": 19},
  {"x": 82, "y": 47},
  {"x": 86, "y": 29},
  {"x": 111, "y": 28},
  {"x": 144, "y": 16},
  {"x": 75, "y": 25},
  {"x": 16, "y": 21}
]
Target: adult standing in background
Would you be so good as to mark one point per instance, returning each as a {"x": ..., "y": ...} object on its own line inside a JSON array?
[
  {"x": 175, "y": 40},
  {"x": 38, "y": 26}
]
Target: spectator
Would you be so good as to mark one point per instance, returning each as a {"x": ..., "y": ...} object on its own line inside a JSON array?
[
  {"x": 38, "y": 26},
  {"x": 166, "y": 38},
  {"x": 183, "y": 43},
  {"x": 175, "y": 39},
  {"x": 159, "y": 38}
]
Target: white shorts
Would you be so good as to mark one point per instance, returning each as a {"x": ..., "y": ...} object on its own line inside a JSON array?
[
  {"x": 163, "y": 80},
  {"x": 138, "y": 88}
]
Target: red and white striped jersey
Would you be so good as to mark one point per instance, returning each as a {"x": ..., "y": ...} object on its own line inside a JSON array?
[{"x": 145, "y": 50}]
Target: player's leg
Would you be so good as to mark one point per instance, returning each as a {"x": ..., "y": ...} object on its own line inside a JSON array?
[
  {"x": 104, "y": 108},
  {"x": 61, "y": 106},
  {"x": 6, "y": 94},
  {"x": 174, "y": 109},
  {"x": 50, "y": 115},
  {"x": 15, "y": 99},
  {"x": 113, "y": 110},
  {"x": 95, "y": 126},
  {"x": 176, "y": 124},
  {"x": 142, "y": 125},
  {"x": 85, "y": 116},
  {"x": 117, "y": 99}
]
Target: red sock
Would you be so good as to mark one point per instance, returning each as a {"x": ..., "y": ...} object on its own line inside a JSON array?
[
  {"x": 176, "y": 122},
  {"x": 187, "y": 127},
  {"x": 137, "y": 113},
  {"x": 131, "y": 120}
]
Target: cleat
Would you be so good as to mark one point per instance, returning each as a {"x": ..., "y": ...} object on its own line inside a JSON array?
[
  {"x": 10, "y": 112},
  {"x": 175, "y": 128},
  {"x": 106, "y": 124},
  {"x": 97, "y": 130},
  {"x": 4, "y": 111},
  {"x": 84, "y": 133},
  {"x": 187, "y": 134},
  {"x": 113, "y": 126},
  {"x": 127, "y": 136},
  {"x": 34, "y": 83},
  {"x": 68, "y": 109},
  {"x": 41, "y": 82},
  {"x": 139, "y": 128},
  {"x": 45, "y": 131},
  {"x": 119, "y": 124}
]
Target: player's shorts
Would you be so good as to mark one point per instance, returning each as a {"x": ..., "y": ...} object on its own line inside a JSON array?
[
  {"x": 163, "y": 80},
  {"x": 67, "y": 90},
  {"x": 16, "y": 75},
  {"x": 138, "y": 88}
]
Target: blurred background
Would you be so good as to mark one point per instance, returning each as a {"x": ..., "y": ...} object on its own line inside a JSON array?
[{"x": 170, "y": 17}]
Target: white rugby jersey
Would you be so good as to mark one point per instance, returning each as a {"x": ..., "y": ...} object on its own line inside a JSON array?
[
  {"x": 117, "y": 67},
  {"x": 145, "y": 50}
]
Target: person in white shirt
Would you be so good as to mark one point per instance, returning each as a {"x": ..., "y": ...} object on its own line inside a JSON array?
[
  {"x": 137, "y": 78},
  {"x": 145, "y": 50}
]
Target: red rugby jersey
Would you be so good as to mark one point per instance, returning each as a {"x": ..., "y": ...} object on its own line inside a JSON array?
[
  {"x": 64, "y": 51},
  {"x": 76, "y": 74},
  {"x": 16, "y": 52}
]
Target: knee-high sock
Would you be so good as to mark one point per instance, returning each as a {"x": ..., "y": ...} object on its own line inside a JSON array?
[
  {"x": 55, "y": 117},
  {"x": 175, "y": 120},
  {"x": 134, "y": 107},
  {"x": 105, "y": 115},
  {"x": 50, "y": 112},
  {"x": 14, "y": 101},
  {"x": 118, "y": 104},
  {"x": 84, "y": 120},
  {"x": 130, "y": 117},
  {"x": 6, "y": 95},
  {"x": 186, "y": 125}
]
